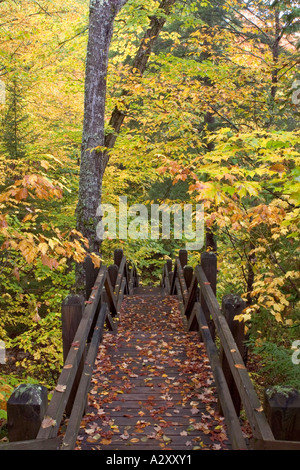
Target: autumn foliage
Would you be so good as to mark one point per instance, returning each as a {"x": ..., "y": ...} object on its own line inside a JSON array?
[{"x": 213, "y": 119}]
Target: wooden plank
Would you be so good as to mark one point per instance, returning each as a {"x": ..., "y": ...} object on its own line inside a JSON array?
[
  {"x": 59, "y": 399},
  {"x": 110, "y": 323},
  {"x": 252, "y": 405},
  {"x": 173, "y": 287},
  {"x": 120, "y": 277},
  {"x": 192, "y": 324},
  {"x": 71, "y": 315},
  {"x": 131, "y": 281},
  {"x": 275, "y": 444},
  {"x": 209, "y": 267},
  {"x": 110, "y": 296},
  {"x": 180, "y": 276},
  {"x": 121, "y": 294},
  {"x": 233, "y": 305},
  {"x": 78, "y": 407},
  {"x": 33, "y": 444},
  {"x": 166, "y": 280},
  {"x": 233, "y": 425},
  {"x": 191, "y": 297}
]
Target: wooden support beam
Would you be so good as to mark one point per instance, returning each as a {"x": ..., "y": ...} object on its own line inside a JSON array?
[
  {"x": 120, "y": 276},
  {"x": 76, "y": 415},
  {"x": 232, "y": 422},
  {"x": 233, "y": 305},
  {"x": 71, "y": 315},
  {"x": 252, "y": 405},
  {"x": 111, "y": 300},
  {"x": 34, "y": 444},
  {"x": 191, "y": 297},
  {"x": 61, "y": 393},
  {"x": 209, "y": 266}
]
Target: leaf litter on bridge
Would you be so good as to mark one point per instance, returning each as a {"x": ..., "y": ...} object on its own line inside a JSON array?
[{"x": 152, "y": 386}]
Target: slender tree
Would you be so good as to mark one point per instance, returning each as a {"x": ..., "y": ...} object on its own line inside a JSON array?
[
  {"x": 101, "y": 19},
  {"x": 94, "y": 155}
]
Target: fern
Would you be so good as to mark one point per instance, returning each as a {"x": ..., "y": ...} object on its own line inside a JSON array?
[{"x": 279, "y": 366}]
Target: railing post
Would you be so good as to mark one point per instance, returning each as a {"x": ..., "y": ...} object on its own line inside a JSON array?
[
  {"x": 233, "y": 305},
  {"x": 71, "y": 315},
  {"x": 209, "y": 266},
  {"x": 188, "y": 275},
  {"x": 26, "y": 409},
  {"x": 183, "y": 258},
  {"x": 169, "y": 265},
  {"x": 282, "y": 409},
  {"x": 118, "y": 255},
  {"x": 91, "y": 274},
  {"x": 113, "y": 274}
]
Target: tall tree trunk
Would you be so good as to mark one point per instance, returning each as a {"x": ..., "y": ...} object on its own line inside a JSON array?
[
  {"x": 94, "y": 157},
  {"x": 101, "y": 20}
]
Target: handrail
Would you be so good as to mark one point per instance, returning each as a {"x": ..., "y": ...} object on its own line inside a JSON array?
[
  {"x": 102, "y": 307},
  {"x": 196, "y": 292}
]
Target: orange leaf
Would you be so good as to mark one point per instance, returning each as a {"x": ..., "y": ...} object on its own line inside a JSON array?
[
  {"x": 21, "y": 194},
  {"x": 105, "y": 441},
  {"x": 278, "y": 167}
]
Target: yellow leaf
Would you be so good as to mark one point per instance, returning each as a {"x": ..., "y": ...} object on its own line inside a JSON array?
[
  {"x": 45, "y": 164},
  {"x": 43, "y": 248}
]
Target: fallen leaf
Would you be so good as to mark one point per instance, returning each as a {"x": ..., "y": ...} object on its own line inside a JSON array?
[
  {"x": 240, "y": 366},
  {"x": 48, "y": 422},
  {"x": 105, "y": 441},
  {"x": 60, "y": 388}
]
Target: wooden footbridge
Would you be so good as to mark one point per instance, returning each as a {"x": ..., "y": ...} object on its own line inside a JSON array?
[{"x": 150, "y": 368}]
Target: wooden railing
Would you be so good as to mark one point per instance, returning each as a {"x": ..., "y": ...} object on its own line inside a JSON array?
[
  {"x": 83, "y": 324},
  {"x": 196, "y": 290}
]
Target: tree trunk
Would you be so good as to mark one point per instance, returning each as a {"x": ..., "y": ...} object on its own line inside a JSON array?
[
  {"x": 94, "y": 157},
  {"x": 101, "y": 20}
]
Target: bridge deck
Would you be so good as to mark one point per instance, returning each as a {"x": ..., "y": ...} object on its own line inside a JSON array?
[{"x": 152, "y": 386}]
